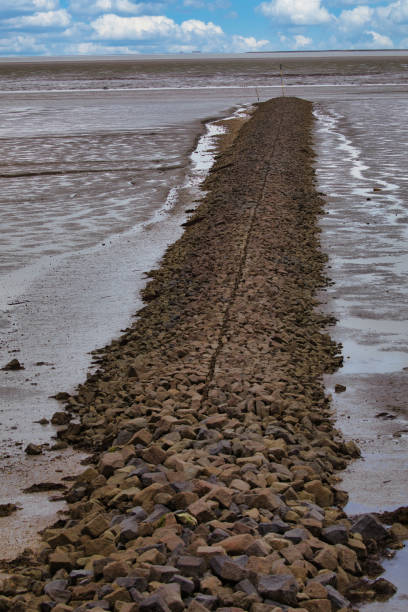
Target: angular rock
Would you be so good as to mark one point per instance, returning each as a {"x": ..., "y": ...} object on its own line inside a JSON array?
[
  {"x": 369, "y": 527},
  {"x": 282, "y": 588},
  {"x": 227, "y": 569}
]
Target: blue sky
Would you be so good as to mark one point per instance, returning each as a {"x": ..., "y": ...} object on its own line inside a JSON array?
[{"x": 95, "y": 27}]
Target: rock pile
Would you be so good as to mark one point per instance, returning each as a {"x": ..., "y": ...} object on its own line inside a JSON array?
[{"x": 212, "y": 484}]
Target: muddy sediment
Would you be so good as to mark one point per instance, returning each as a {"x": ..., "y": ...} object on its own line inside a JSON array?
[{"x": 214, "y": 469}]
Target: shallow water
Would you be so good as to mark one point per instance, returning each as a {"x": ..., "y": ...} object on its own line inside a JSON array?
[{"x": 361, "y": 168}]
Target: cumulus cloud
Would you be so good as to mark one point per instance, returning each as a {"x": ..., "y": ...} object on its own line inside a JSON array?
[
  {"x": 302, "y": 41},
  {"x": 118, "y": 6},
  {"x": 240, "y": 44},
  {"x": 90, "y": 48},
  {"x": 152, "y": 27},
  {"x": 298, "y": 12},
  {"x": 49, "y": 19},
  {"x": 379, "y": 40},
  {"x": 396, "y": 12},
  {"x": 21, "y": 44},
  {"x": 47, "y": 5},
  {"x": 356, "y": 18}
]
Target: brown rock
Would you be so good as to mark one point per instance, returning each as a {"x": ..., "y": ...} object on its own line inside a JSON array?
[
  {"x": 171, "y": 595},
  {"x": 154, "y": 454},
  {"x": 323, "y": 495},
  {"x": 116, "y": 569},
  {"x": 326, "y": 559},
  {"x": 33, "y": 449},
  {"x": 238, "y": 544},
  {"x": 60, "y": 559},
  {"x": 14, "y": 364},
  {"x": 317, "y": 605},
  {"x": 203, "y": 510}
]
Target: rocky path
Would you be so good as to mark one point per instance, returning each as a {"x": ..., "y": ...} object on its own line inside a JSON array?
[{"x": 213, "y": 478}]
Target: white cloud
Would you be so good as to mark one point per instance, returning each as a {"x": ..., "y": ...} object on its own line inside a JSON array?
[
  {"x": 211, "y": 6},
  {"x": 47, "y": 5},
  {"x": 125, "y": 6},
  {"x": 302, "y": 41},
  {"x": 89, "y": 48},
  {"x": 117, "y": 6},
  {"x": 240, "y": 44},
  {"x": 47, "y": 19},
  {"x": 152, "y": 27},
  {"x": 356, "y": 18},
  {"x": 28, "y": 5},
  {"x": 299, "y": 12},
  {"x": 115, "y": 27},
  {"x": 21, "y": 44},
  {"x": 380, "y": 41},
  {"x": 396, "y": 12},
  {"x": 194, "y": 27},
  {"x": 194, "y": 4}
]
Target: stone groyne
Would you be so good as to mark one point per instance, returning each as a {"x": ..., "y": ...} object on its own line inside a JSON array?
[{"x": 213, "y": 477}]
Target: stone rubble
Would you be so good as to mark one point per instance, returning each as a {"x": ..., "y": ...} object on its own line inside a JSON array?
[{"x": 213, "y": 479}]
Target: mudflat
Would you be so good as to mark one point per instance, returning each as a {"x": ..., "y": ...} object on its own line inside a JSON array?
[{"x": 214, "y": 459}]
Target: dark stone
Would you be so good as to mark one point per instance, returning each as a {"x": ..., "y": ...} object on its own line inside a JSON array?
[
  {"x": 335, "y": 534},
  {"x": 105, "y": 590},
  {"x": 129, "y": 582},
  {"x": 296, "y": 535},
  {"x": 187, "y": 586},
  {"x": 163, "y": 573},
  {"x": 158, "y": 511},
  {"x": 384, "y": 587},
  {"x": 208, "y": 601},
  {"x": 60, "y": 418},
  {"x": 191, "y": 566},
  {"x": 14, "y": 364},
  {"x": 153, "y": 603},
  {"x": 76, "y": 575},
  {"x": 182, "y": 486},
  {"x": 123, "y": 437},
  {"x": 282, "y": 588},
  {"x": 136, "y": 595},
  {"x": 241, "y": 560},
  {"x": 102, "y": 603},
  {"x": 33, "y": 449},
  {"x": 129, "y": 529},
  {"x": 337, "y": 600},
  {"x": 227, "y": 569},
  {"x": 149, "y": 478},
  {"x": 370, "y": 528},
  {"x": 327, "y": 578},
  {"x": 7, "y": 509},
  {"x": 57, "y": 591},
  {"x": 217, "y": 535},
  {"x": 99, "y": 564},
  {"x": 339, "y": 388},
  {"x": 138, "y": 513},
  {"x": 276, "y": 526},
  {"x": 246, "y": 587}
]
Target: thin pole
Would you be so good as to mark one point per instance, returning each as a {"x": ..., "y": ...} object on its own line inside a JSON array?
[{"x": 282, "y": 83}]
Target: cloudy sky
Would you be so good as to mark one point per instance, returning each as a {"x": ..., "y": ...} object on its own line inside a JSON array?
[{"x": 94, "y": 27}]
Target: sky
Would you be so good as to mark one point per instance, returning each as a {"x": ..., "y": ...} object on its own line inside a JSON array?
[{"x": 110, "y": 27}]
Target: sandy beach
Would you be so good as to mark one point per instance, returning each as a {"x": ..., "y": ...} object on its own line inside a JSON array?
[{"x": 213, "y": 479}]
